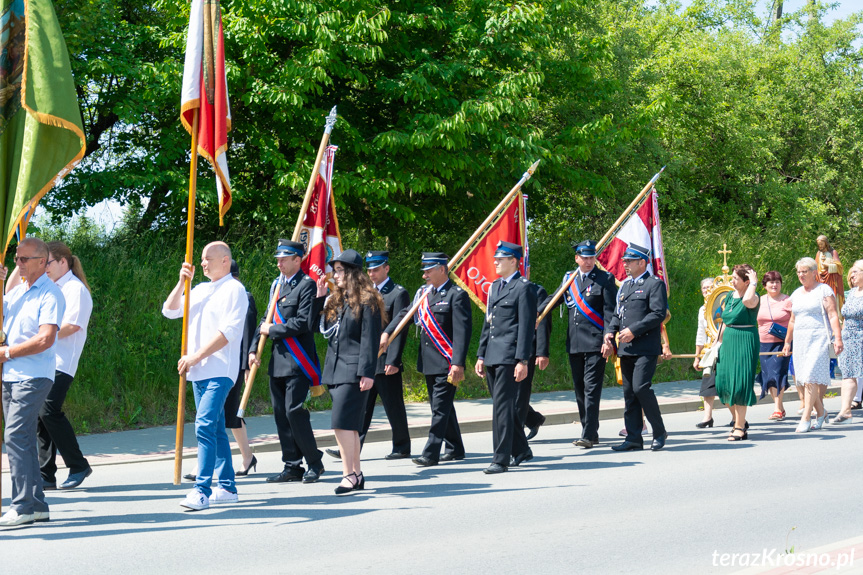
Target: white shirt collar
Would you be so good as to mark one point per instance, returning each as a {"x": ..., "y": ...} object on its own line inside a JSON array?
[
  {"x": 66, "y": 277},
  {"x": 507, "y": 280},
  {"x": 381, "y": 286}
]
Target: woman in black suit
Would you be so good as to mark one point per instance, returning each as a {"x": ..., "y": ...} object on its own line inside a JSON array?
[{"x": 352, "y": 323}]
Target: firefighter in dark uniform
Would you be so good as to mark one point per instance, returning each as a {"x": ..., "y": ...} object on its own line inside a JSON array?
[
  {"x": 642, "y": 303},
  {"x": 527, "y": 415},
  {"x": 388, "y": 377},
  {"x": 590, "y": 300},
  {"x": 289, "y": 382},
  {"x": 445, "y": 330},
  {"x": 505, "y": 350}
]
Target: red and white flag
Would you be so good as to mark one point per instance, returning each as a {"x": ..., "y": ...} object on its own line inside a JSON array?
[
  {"x": 320, "y": 228},
  {"x": 205, "y": 88},
  {"x": 475, "y": 271},
  {"x": 643, "y": 229}
]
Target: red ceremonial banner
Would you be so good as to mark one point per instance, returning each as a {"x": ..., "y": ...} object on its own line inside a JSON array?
[
  {"x": 642, "y": 229},
  {"x": 320, "y": 230},
  {"x": 205, "y": 88},
  {"x": 476, "y": 272}
]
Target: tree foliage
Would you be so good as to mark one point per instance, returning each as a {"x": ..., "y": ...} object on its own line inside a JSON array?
[{"x": 443, "y": 105}]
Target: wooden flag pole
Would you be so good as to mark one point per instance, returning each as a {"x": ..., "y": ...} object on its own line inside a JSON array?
[
  {"x": 271, "y": 308},
  {"x": 603, "y": 242},
  {"x": 457, "y": 258},
  {"x": 184, "y": 346}
]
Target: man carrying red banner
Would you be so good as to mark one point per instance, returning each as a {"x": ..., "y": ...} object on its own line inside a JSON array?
[
  {"x": 590, "y": 300},
  {"x": 642, "y": 303},
  {"x": 294, "y": 365},
  {"x": 505, "y": 350},
  {"x": 446, "y": 323}
]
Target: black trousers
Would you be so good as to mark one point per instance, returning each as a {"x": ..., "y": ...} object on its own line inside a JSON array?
[
  {"x": 444, "y": 424},
  {"x": 55, "y": 433},
  {"x": 637, "y": 372},
  {"x": 507, "y": 430},
  {"x": 588, "y": 371},
  {"x": 525, "y": 411},
  {"x": 293, "y": 423},
  {"x": 389, "y": 387},
  {"x": 533, "y": 418}
]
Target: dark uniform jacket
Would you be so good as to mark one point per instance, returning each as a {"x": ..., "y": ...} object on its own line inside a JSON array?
[
  {"x": 352, "y": 352},
  {"x": 396, "y": 299},
  {"x": 641, "y": 307},
  {"x": 541, "y": 343},
  {"x": 451, "y": 308},
  {"x": 249, "y": 328},
  {"x": 295, "y": 304},
  {"x": 599, "y": 291},
  {"x": 509, "y": 328}
]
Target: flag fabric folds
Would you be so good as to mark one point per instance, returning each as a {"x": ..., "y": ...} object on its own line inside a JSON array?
[
  {"x": 41, "y": 132},
  {"x": 474, "y": 272},
  {"x": 320, "y": 229},
  {"x": 643, "y": 229},
  {"x": 205, "y": 89}
]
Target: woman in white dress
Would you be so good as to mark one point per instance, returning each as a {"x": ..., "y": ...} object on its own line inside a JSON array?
[{"x": 813, "y": 317}]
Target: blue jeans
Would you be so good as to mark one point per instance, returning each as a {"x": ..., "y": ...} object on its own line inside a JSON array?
[{"x": 214, "y": 449}]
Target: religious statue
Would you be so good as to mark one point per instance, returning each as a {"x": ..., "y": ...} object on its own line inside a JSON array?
[{"x": 830, "y": 269}]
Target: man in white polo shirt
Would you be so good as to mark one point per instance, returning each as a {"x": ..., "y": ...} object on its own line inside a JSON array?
[
  {"x": 32, "y": 313},
  {"x": 217, "y": 312}
]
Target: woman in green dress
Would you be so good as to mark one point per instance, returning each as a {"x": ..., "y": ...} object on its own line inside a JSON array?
[{"x": 738, "y": 355}]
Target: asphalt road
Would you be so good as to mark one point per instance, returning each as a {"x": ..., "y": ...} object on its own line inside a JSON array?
[{"x": 568, "y": 510}]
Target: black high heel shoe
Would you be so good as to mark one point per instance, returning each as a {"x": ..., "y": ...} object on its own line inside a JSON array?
[
  {"x": 703, "y": 424},
  {"x": 362, "y": 483},
  {"x": 252, "y": 465},
  {"x": 342, "y": 490}
]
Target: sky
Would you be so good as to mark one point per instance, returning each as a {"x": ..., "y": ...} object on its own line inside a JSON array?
[{"x": 109, "y": 213}]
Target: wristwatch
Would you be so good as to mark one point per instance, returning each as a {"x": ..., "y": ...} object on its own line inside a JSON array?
[
  {"x": 523, "y": 362},
  {"x": 7, "y": 353}
]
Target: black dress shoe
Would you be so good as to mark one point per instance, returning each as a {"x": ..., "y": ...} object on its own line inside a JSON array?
[
  {"x": 628, "y": 446},
  {"x": 658, "y": 442},
  {"x": 521, "y": 458},
  {"x": 76, "y": 479},
  {"x": 334, "y": 453},
  {"x": 312, "y": 475},
  {"x": 190, "y": 477},
  {"x": 49, "y": 485},
  {"x": 396, "y": 455},
  {"x": 585, "y": 443},
  {"x": 287, "y": 474},
  {"x": 451, "y": 457},
  {"x": 424, "y": 461},
  {"x": 534, "y": 430},
  {"x": 703, "y": 424},
  {"x": 494, "y": 468}
]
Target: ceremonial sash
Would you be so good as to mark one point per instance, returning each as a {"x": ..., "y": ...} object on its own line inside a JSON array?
[
  {"x": 430, "y": 325},
  {"x": 584, "y": 307},
  {"x": 310, "y": 368}
]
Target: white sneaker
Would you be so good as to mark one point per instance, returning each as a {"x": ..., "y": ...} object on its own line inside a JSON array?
[
  {"x": 195, "y": 500},
  {"x": 221, "y": 495},
  {"x": 803, "y": 427},
  {"x": 12, "y": 519},
  {"x": 41, "y": 516}
]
